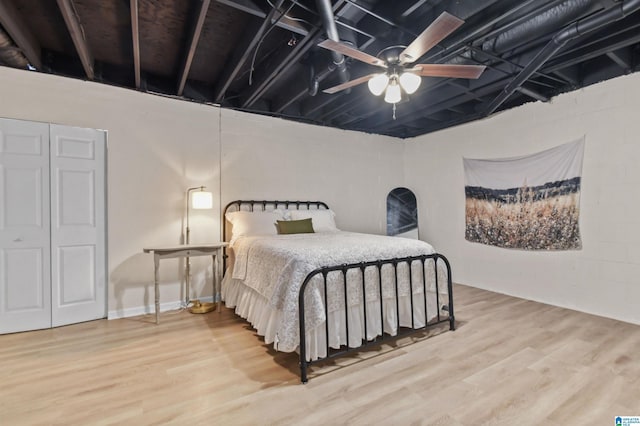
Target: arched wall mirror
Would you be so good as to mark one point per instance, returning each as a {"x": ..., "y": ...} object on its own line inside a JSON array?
[{"x": 402, "y": 213}]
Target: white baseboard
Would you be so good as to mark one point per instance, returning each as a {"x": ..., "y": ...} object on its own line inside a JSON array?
[{"x": 149, "y": 309}]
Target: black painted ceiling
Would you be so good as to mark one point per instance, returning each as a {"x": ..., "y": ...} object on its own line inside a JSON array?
[{"x": 261, "y": 56}]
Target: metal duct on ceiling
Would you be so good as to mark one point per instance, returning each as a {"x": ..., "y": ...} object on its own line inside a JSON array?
[
  {"x": 559, "y": 40},
  {"x": 543, "y": 23},
  {"x": 329, "y": 23},
  {"x": 539, "y": 25}
]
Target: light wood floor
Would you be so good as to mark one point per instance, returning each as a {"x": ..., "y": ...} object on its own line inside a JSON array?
[{"x": 511, "y": 361}]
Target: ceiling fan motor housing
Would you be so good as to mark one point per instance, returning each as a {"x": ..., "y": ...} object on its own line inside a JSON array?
[{"x": 391, "y": 54}]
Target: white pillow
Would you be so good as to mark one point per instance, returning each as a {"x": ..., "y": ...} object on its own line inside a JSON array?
[
  {"x": 322, "y": 220},
  {"x": 253, "y": 223},
  {"x": 286, "y": 214}
]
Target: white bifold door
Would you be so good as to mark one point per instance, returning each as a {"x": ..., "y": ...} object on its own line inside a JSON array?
[
  {"x": 25, "y": 243},
  {"x": 78, "y": 270},
  {"x": 52, "y": 225}
]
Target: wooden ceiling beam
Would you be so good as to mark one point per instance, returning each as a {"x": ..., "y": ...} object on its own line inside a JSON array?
[
  {"x": 284, "y": 60},
  {"x": 77, "y": 35},
  {"x": 292, "y": 58},
  {"x": 135, "y": 38},
  {"x": 233, "y": 68},
  {"x": 194, "y": 37},
  {"x": 15, "y": 26},
  {"x": 249, "y": 7}
]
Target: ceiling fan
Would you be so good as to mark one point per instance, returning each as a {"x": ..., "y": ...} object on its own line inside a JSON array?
[{"x": 397, "y": 60}]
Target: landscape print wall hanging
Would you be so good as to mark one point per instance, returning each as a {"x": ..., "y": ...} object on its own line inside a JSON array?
[{"x": 530, "y": 202}]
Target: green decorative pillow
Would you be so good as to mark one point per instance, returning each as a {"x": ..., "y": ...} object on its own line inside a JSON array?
[{"x": 302, "y": 226}]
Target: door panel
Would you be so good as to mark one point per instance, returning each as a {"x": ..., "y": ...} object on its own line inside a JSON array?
[
  {"x": 22, "y": 205},
  {"x": 76, "y": 192},
  {"x": 70, "y": 147},
  {"x": 77, "y": 274},
  {"x": 25, "y": 277},
  {"x": 23, "y": 265},
  {"x": 78, "y": 224},
  {"x": 18, "y": 138}
]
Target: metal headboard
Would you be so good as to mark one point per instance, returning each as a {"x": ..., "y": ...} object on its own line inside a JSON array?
[{"x": 251, "y": 205}]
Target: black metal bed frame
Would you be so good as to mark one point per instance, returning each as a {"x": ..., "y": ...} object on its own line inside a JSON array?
[
  {"x": 362, "y": 266},
  {"x": 400, "y": 331}
]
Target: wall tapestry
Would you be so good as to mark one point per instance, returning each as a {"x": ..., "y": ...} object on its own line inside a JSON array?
[{"x": 530, "y": 202}]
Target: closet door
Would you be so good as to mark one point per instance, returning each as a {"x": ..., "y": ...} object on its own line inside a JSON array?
[
  {"x": 25, "y": 286},
  {"x": 78, "y": 266}
]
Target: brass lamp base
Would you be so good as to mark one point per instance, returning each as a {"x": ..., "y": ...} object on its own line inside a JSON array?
[{"x": 202, "y": 308}]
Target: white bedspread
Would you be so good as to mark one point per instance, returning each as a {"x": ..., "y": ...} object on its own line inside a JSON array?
[{"x": 275, "y": 267}]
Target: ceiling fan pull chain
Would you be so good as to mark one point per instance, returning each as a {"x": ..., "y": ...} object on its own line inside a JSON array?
[{"x": 394, "y": 111}]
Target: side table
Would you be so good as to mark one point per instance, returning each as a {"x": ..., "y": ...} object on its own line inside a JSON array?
[{"x": 185, "y": 251}]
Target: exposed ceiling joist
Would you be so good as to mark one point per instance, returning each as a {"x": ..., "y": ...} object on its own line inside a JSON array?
[
  {"x": 14, "y": 25},
  {"x": 456, "y": 109},
  {"x": 500, "y": 22},
  {"x": 311, "y": 106},
  {"x": 77, "y": 35},
  {"x": 288, "y": 60},
  {"x": 435, "y": 107},
  {"x": 341, "y": 108},
  {"x": 194, "y": 37},
  {"x": 135, "y": 38},
  {"x": 622, "y": 58},
  {"x": 231, "y": 70},
  {"x": 533, "y": 94},
  {"x": 280, "y": 70},
  {"x": 568, "y": 74},
  {"x": 300, "y": 90},
  {"x": 579, "y": 57},
  {"x": 511, "y": 63},
  {"x": 559, "y": 40},
  {"x": 250, "y": 7}
]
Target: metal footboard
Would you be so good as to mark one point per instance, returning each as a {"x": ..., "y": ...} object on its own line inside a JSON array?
[{"x": 400, "y": 331}]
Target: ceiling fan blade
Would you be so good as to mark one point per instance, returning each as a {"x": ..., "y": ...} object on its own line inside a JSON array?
[
  {"x": 447, "y": 70},
  {"x": 444, "y": 25},
  {"x": 352, "y": 53},
  {"x": 348, "y": 84}
]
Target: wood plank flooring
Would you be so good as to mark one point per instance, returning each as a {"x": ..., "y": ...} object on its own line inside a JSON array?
[{"x": 511, "y": 361}]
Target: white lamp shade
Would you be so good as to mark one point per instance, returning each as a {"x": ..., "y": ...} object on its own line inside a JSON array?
[
  {"x": 393, "y": 94},
  {"x": 410, "y": 82},
  {"x": 378, "y": 83},
  {"x": 202, "y": 200}
]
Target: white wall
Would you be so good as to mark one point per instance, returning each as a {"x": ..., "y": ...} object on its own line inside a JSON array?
[
  {"x": 604, "y": 277},
  {"x": 158, "y": 147},
  {"x": 265, "y": 158}
]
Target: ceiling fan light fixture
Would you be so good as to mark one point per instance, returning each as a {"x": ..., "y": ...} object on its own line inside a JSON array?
[
  {"x": 378, "y": 83},
  {"x": 393, "y": 95},
  {"x": 410, "y": 82}
]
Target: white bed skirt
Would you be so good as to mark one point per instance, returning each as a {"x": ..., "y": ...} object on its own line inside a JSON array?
[{"x": 256, "y": 309}]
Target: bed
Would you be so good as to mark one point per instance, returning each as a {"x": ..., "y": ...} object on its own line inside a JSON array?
[{"x": 324, "y": 292}]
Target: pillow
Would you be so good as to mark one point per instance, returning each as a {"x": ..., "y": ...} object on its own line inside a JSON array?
[
  {"x": 302, "y": 226},
  {"x": 253, "y": 223},
  {"x": 286, "y": 214},
  {"x": 323, "y": 220}
]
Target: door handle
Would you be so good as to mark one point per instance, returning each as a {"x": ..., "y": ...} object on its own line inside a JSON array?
[{"x": 17, "y": 240}]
